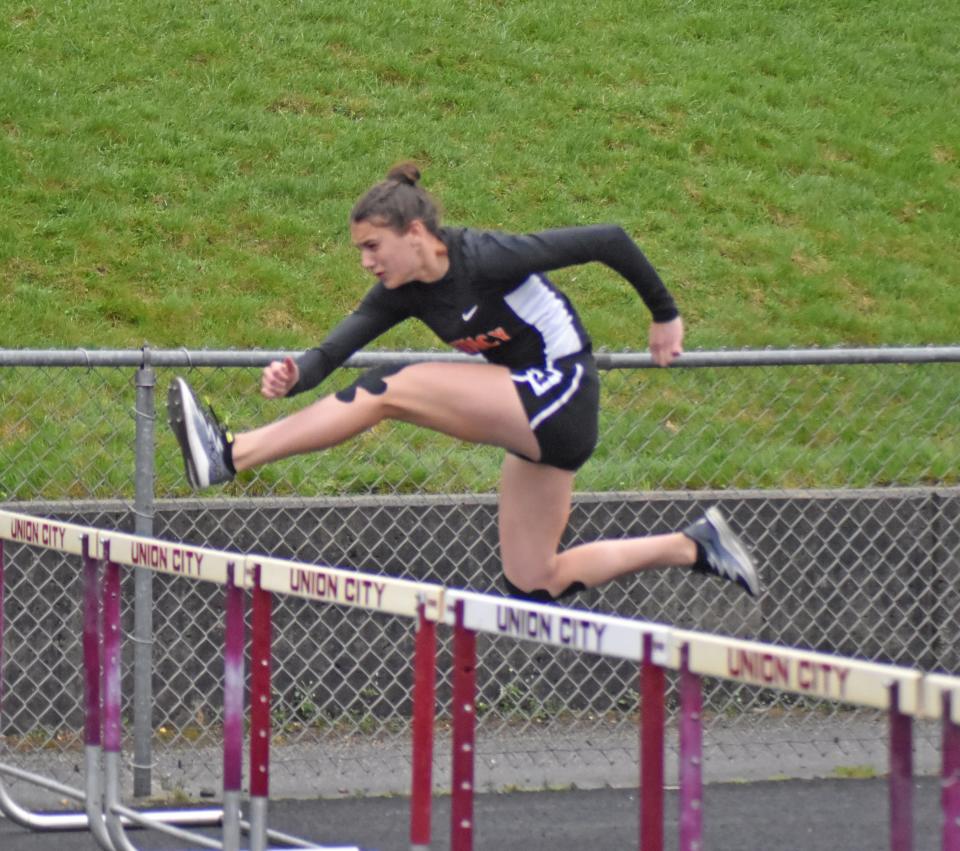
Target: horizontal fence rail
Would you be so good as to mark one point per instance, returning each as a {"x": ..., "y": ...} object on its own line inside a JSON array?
[
  {"x": 903, "y": 694},
  {"x": 839, "y": 467},
  {"x": 190, "y": 358}
]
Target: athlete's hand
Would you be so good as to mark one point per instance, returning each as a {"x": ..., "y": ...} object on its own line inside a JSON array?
[
  {"x": 278, "y": 377},
  {"x": 666, "y": 341}
]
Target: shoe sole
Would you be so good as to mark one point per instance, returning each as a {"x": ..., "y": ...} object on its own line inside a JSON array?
[
  {"x": 732, "y": 545},
  {"x": 177, "y": 418}
]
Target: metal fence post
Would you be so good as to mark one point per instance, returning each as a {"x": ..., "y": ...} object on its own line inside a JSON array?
[{"x": 143, "y": 581}]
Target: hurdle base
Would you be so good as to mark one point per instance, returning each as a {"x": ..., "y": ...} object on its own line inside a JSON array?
[
  {"x": 260, "y": 835},
  {"x": 39, "y": 821}
]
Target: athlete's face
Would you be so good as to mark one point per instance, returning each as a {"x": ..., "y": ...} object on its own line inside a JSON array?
[{"x": 395, "y": 258}]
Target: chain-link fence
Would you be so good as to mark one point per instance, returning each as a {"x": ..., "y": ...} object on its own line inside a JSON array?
[{"x": 839, "y": 467}]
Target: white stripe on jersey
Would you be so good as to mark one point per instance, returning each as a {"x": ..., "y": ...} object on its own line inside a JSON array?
[{"x": 537, "y": 305}]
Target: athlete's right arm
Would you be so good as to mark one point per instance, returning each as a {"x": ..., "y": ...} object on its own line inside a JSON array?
[
  {"x": 351, "y": 335},
  {"x": 278, "y": 377},
  {"x": 292, "y": 376}
]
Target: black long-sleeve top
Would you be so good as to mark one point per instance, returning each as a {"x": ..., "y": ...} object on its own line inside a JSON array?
[{"x": 495, "y": 299}]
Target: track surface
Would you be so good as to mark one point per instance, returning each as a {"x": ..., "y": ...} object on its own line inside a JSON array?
[{"x": 801, "y": 815}]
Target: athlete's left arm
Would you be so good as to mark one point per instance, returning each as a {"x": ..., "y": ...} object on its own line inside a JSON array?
[{"x": 515, "y": 257}]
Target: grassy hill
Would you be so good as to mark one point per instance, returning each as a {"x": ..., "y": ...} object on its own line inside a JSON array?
[{"x": 181, "y": 173}]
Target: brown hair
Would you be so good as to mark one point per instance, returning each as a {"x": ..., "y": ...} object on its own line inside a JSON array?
[{"x": 396, "y": 201}]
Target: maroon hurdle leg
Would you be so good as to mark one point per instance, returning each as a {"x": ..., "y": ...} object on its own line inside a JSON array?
[
  {"x": 691, "y": 757},
  {"x": 233, "y": 692},
  {"x": 92, "y": 678},
  {"x": 464, "y": 731},
  {"x": 1, "y": 627},
  {"x": 260, "y": 713},
  {"x": 112, "y": 724},
  {"x": 424, "y": 701},
  {"x": 950, "y": 789},
  {"x": 652, "y": 692},
  {"x": 901, "y": 775}
]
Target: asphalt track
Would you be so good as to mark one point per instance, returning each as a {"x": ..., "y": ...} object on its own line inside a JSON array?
[{"x": 805, "y": 815}]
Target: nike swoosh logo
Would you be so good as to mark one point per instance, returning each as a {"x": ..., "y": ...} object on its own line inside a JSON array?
[{"x": 468, "y": 314}]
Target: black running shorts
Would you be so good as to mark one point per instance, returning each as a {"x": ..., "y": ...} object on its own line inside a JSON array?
[{"x": 562, "y": 401}]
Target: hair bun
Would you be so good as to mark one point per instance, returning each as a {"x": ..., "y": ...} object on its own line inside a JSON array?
[{"x": 405, "y": 173}]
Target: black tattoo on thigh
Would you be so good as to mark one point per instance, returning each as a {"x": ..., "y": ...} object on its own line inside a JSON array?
[{"x": 372, "y": 381}]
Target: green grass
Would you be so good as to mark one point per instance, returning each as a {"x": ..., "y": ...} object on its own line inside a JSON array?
[
  {"x": 855, "y": 772},
  {"x": 181, "y": 174}
]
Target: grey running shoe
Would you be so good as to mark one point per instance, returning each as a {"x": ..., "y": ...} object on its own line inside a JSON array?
[
  {"x": 726, "y": 556},
  {"x": 203, "y": 440}
]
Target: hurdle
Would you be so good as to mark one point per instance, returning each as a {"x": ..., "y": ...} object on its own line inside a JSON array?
[
  {"x": 647, "y": 644},
  {"x": 72, "y": 540},
  {"x": 416, "y": 600},
  {"x": 264, "y": 577},
  {"x": 904, "y": 694},
  {"x": 894, "y": 689},
  {"x": 106, "y": 816}
]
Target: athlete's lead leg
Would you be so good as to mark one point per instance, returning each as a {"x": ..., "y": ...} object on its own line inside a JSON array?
[{"x": 472, "y": 402}]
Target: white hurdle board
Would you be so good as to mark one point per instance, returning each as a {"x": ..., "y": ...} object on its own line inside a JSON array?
[
  {"x": 313, "y": 582},
  {"x": 49, "y": 534},
  {"x": 169, "y": 557},
  {"x": 804, "y": 672},
  {"x": 546, "y": 624},
  {"x": 347, "y": 587},
  {"x": 935, "y": 686}
]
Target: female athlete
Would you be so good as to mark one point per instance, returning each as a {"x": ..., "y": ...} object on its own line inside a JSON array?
[{"x": 533, "y": 391}]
